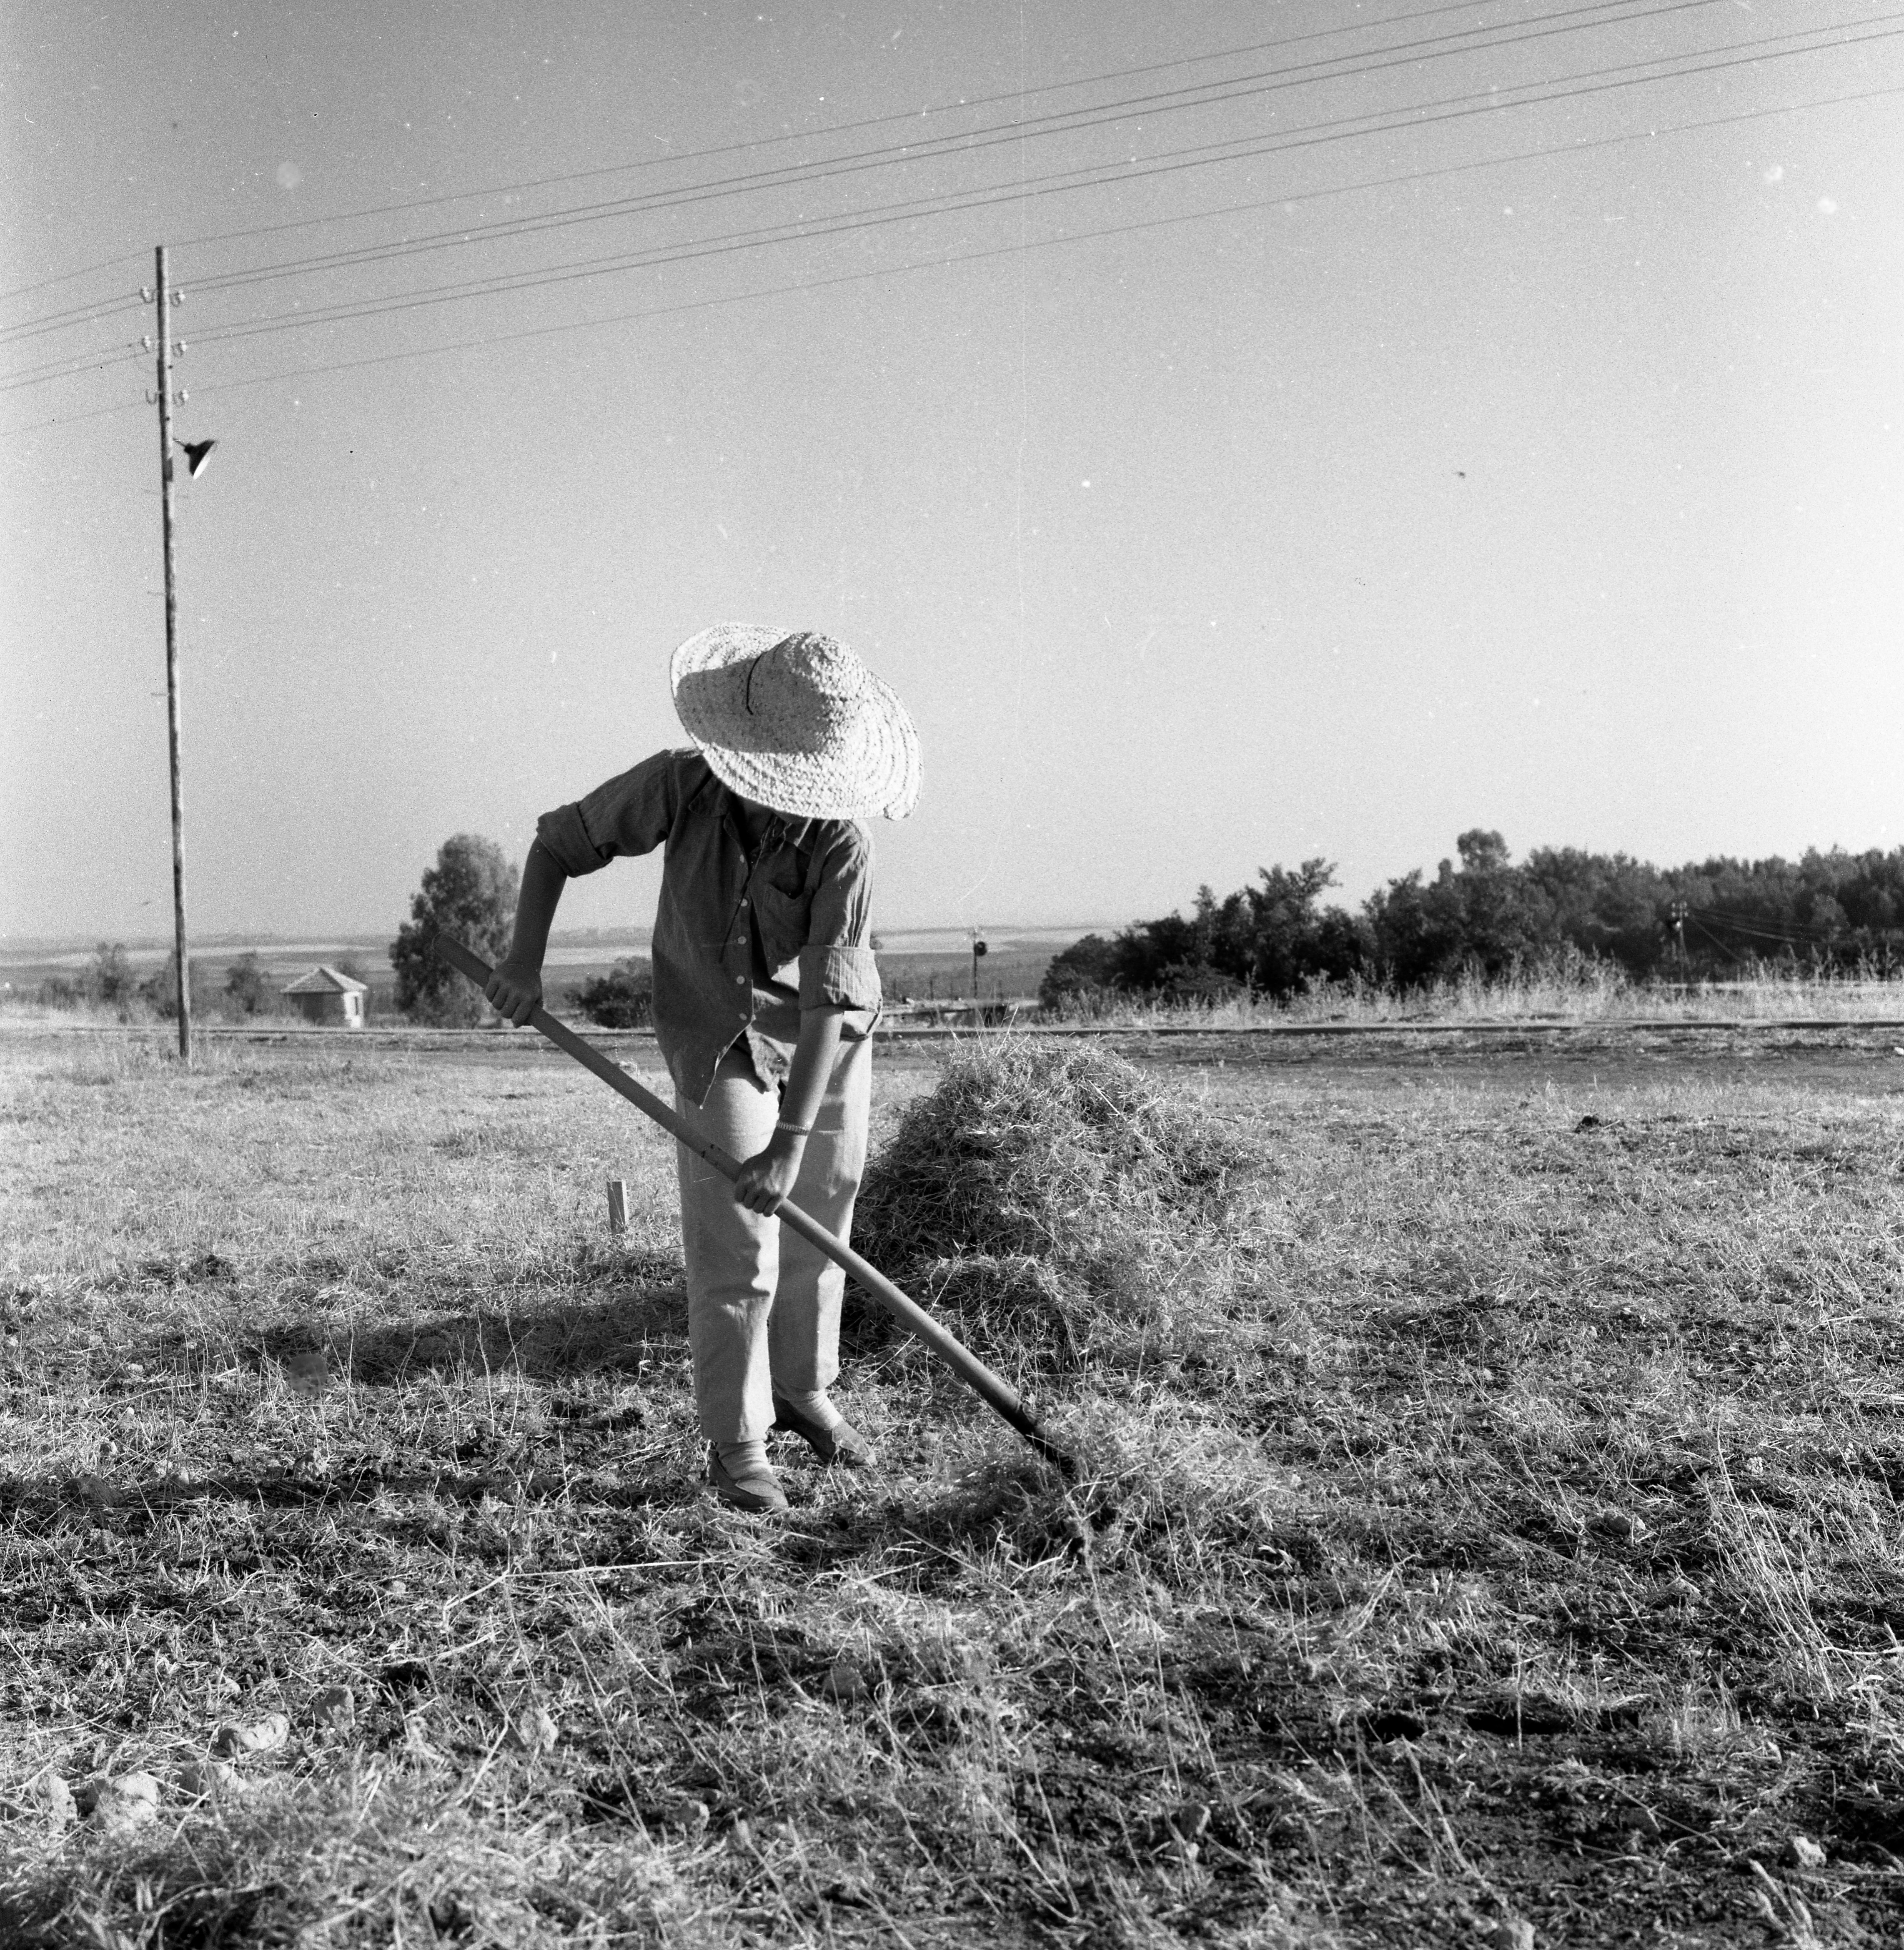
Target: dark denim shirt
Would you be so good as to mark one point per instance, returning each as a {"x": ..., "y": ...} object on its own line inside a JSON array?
[{"x": 741, "y": 944}]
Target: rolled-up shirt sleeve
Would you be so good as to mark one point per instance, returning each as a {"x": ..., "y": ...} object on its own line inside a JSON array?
[
  {"x": 837, "y": 968},
  {"x": 629, "y": 814},
  {"x": 562, "y": 834},
  {"x": 839, "y": 978}
]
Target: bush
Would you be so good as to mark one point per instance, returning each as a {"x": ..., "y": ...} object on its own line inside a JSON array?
[
  {"x": 111, "y": 981},
  {"x": 247, "y": 989},
  {"x": 1486, "y": 916},
  {"x": 621, "y": 999},
  {"x": 1080, "y": 977},
  {"x": 470, "y": 892},
  {"x": 1191, "y": 985},
  {"x": 1270, "y": 939},
  {"x": 160, "y": 990}
]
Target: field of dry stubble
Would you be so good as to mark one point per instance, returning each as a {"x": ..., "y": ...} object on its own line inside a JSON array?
[{"x": 1490, "y": 1534}]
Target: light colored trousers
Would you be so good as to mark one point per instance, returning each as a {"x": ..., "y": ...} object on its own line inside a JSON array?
[{"x": 763, "y": 1306}]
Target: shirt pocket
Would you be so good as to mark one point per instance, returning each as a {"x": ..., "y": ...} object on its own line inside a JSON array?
[{"x": 782, "y": 919}]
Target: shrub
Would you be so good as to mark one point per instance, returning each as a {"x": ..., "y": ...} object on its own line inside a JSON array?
[
  {"x": 247, "y": 989},
  {"x": 1080, "y": 976},
  {"x": 1190, "y": 985},
  {"x": 621, "y": 999},
  {"x": 1273, "y": 939},
  {"x": 160, "y": 990},
  {"x": 111, "y": 981}
]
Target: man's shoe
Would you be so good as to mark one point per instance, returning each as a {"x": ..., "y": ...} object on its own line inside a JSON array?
[
  {"x": 756, "y": 1491},
  {"x": 843, "y": 1444}
]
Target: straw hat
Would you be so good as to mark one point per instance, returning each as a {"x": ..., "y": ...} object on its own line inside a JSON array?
[{"x": 796, "y": 722}]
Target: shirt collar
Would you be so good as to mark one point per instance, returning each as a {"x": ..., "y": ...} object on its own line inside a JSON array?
[{"x": 784, "y": 828}]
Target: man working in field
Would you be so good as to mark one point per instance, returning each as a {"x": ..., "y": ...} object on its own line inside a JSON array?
[{"x": 765, "y": 996}]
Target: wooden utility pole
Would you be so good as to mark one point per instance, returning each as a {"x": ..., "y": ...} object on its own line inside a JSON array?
[{"x": 164, "y": 300}]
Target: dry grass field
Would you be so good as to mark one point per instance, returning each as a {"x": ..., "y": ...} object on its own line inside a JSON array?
[
  {"x": 1491, "y": 1536},
  {"x": 1564, "y": 988}
]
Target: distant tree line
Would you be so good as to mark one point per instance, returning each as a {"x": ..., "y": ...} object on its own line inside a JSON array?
[
  {"x": 111, "y": 982},
  {"x": 1832, "y": 913}
]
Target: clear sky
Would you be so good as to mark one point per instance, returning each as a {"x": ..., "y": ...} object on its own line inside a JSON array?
[{"x": 1561, "y": 495}]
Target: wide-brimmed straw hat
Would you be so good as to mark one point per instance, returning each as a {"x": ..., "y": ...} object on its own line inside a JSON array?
[{"x": 796, "y": 722}]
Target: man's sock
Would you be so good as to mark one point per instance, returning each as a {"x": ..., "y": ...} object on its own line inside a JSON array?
[
  {"x": 813, "y": 1405},
  {"x": 744, "y": 1459}
]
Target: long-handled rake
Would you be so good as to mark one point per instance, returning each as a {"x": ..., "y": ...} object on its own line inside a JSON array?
[{"x": 997, "y": 1393}]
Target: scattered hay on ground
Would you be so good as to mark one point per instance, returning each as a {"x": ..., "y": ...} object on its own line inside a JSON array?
[{"x": 1059, "y": 1199}]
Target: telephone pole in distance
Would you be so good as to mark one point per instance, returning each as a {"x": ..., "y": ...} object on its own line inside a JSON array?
[{"x": 165, "y": 302}]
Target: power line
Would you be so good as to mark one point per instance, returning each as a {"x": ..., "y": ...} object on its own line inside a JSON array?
[
  {"x": 57, "y": 321},
  {"x": 756, "y": 143},
  {"x": 67, "y": 277},
  {"x": 1139, "y": 225},
  {"x": 1053, "y": 183},
  {"x": 65, "y": 368},
  {"x": 1046, "y": 243},
  {"x": 1817, "y": 938},
  {"x": 795, "y": 174},
  {"x": 70, "y": 419},
  {"x": 1767, "y": 930},
  {"x": 54, "y": 367},
  {"x": 1731, "y": 954},
  {"x": 1095, "y": 176},
  {"x": 831, "y": 128},
  {"x": 1240, "y": 88}
]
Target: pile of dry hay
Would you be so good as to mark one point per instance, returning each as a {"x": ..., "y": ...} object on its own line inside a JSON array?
[{"x": 1053, "y": 1197}]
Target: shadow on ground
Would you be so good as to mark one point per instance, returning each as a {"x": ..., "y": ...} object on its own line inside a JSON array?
[{"x": 643, "y": 1317}]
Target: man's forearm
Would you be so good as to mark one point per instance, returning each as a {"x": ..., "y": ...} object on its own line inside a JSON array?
[
  {"x": 812, "y": 1064},
  {"x": 542, "y": 881}
]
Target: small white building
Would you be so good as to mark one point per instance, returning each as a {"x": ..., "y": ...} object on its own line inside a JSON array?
[{"x": 326, "y": 996}]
